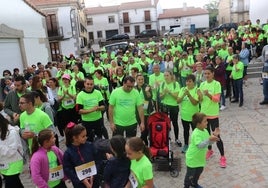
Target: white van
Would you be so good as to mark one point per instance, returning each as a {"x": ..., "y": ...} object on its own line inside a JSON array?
[{"x": 174, "y": 31}]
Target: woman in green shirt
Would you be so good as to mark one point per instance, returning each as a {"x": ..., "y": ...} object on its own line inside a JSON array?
[{"x": 169, "y": 91}]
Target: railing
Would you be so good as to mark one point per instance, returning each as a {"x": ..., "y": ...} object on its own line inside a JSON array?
[{"x": 55, "y": 34}]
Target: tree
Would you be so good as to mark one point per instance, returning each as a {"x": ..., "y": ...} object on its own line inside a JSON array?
[{"x": 212, "y": 8}]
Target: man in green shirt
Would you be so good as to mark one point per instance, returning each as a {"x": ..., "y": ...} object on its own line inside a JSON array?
[
  {"x": 122, "y": 109},
  {"x": 32, "y": 120},
  {"x": 90, "y": 104},
  {"x": 237, "y": 76}
]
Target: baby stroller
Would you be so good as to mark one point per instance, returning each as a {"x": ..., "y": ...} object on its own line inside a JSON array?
[{"x": 159, "y": 141}]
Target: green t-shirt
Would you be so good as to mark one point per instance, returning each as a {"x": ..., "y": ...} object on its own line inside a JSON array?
[
  {"x": 76, "y": 77},
  {"x": 13, "y": 168},
  {"x": 137, "y": 65},
  {"x": 187, "y": 108},
  {"x": 238, "y": 74},
  {"x": 196, "y": 157},
  {"x": 223, "y": 53},
  {"x": 35, "y": 122},
  {"x": 87, "y": 66},
  {"x": 155, "y": 82},
  {"x": 103, "y": 84},
  {"x": 173, "y": 87},
  {"x": 52, "y": 160},
  {"x": 125, "y": 106},
  {"x": 230, "y": 60},
  {"x": 209, "y": 107},
  {"x": 185, "y": 70},
  {"x": 67, "y": 102},
  {"x": 90, "y": 100},
  {"x": 142, "y": 169}
]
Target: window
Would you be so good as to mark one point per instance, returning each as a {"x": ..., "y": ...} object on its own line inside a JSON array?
[
  {"x": 90, "y": 35},
  {"x": 89, "y": 21},
  {"x": 111, "y": 19},
  {"x": 148, "y": 26},
  {"x": 163, "y": 28},
  {"x": 99, "y": 34},
  {"x": 126, "y": 29},
  {"x": 137, "y": 29},
  {"x": 54, "y": 50},
  {"x": 147, "y": 15},
  {"x": 52, "y": 26},
  {"x": 125, "y": 17}
]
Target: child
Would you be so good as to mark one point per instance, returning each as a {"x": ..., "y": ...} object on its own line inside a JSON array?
[
  {"x": 196, "y": 153},
  {"x": 46, "y": 161},
  {"x": 141, "y": 168},
  {"x": 117, "y": 169},
  {"x": 78, "y": 159},
  {"x": 11, "y": 163}
]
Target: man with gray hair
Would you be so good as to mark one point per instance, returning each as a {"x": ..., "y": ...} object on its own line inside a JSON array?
[{"x": 265, "y": 74}]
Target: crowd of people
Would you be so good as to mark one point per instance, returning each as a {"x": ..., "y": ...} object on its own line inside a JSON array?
[{"x": 188, "y": 76}]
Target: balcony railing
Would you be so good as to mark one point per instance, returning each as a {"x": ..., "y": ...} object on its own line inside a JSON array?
[
  {"x": 240, "y": 9},
  {"x": 55, "y": 34}
]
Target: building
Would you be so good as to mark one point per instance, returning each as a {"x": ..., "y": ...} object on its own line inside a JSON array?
[
  {"x": 102, "y": 22},
  {"x": 233, "y": 11},
  {"x": 130, "y": 18},
  {"x": 188, "y": 18},
  {"x": 258, "y": 11},
  {"x": 23, "y": 36},
  {"x": 66, "y": 26},
  {"x": 135, "y": 17}
]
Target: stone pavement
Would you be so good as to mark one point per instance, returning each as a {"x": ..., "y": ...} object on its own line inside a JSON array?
[{"x": 244, "y": 132}]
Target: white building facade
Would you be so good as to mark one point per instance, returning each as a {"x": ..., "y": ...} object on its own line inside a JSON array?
[
  {"x": 23, "y": 36},
  {"x": 66, "y": 26}
]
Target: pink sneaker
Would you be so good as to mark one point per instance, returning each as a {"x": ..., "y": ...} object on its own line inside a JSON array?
[
  {"x": 222, "y": 162},
  {"x": 209, "y": 154}
]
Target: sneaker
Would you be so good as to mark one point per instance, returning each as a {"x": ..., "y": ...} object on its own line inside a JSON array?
[
  {"x": 178, "y": 142},
  {"x": 185, "y": 148},
  {"x": 222, "y": 107},
  {"x": 209, "y": 154},
  {"x": 222, "y": 162}
]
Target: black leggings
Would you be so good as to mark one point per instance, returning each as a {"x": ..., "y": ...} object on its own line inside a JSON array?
[
  {"x": 186, "y": 128},
  {"x": 212, "y": 125},
  {"x": 13, "y": 181},
  {"x": 64, "y": 117},
  {"x": 173, "y": 112}
]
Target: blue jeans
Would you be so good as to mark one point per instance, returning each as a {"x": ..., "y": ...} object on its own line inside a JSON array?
[
  {"x": 265, "y": 89},
  {"x": 238, "y": 86}
]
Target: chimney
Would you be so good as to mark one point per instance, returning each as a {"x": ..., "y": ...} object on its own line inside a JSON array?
[{"x": 184, "y": 6}]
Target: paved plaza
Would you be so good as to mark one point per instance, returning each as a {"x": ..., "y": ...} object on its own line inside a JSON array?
[{"x": 244, "y": 132}]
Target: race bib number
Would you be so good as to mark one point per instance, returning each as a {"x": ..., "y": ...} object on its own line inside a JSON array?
[
  {"x": 264, "y": 75},
  {"x": 56, "y": 173},
  {"x": 68, "y": 102},
  {"x": 3, "y": 166},
  {"x": 86, "y": 170},
  {"x": 133, "y": 180}
]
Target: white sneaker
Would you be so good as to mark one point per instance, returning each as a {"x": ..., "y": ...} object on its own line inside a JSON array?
[{"x": 222, "y": 107}]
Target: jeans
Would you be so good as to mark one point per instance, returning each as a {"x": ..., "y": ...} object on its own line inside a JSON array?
[
  {"x": 238, "y": 86},
  {"x": 265, "y": 89}
]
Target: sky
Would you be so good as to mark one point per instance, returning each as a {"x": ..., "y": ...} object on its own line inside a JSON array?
[{"x": 164, "y": 3}]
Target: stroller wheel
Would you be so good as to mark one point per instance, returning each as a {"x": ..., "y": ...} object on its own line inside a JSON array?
[{"x": 174, "y": 173}]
